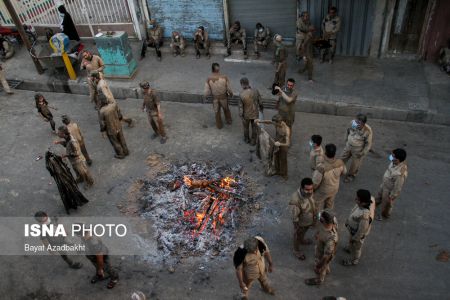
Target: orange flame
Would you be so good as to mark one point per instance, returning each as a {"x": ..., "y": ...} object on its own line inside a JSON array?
[{"x": 187, "y": 181}]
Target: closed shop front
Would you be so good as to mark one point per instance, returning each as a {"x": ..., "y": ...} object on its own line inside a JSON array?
[
  {"x": 279, "y": 15},
  {"x": 356, "y": 23},
  {"x": 186, "y": 15}
]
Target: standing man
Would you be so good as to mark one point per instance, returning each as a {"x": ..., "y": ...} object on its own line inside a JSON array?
[
  {"x": 109, "y": 118},
  {"x": 99, "y": 83},
  {"x": 237, "y": 35},
  {"x": 306, "y": 53},
  {"x": 75, "y": 131},
  {"x": 304, "y": 32},
  {"x": 55, "y": 241},
  {"x": 92, "y": 63},
  {"x": 75, "y": 156},
  {"x": 201, "y": 41},
  {"x": 250, "y": 104},
  {"x": 331, "y": 25},
  {"x": 304, "y": 214},
  {"x": 393, "y": 180},
  {"x": 4, "y": 82},
  {"x": 358, "y": 143},
  {"x": 326, "y": 178},
  {"x": 6, "y": 49},
  {"x": 261, "y": 38},
  {"x": 249, "y": 261},
  {"x": 358, "y": 224},
  {"x": 178, "y": 44},
  {"x": 282, "y": 143},
  {"x": 280, "y": 61},
  {"x": 98, "y": 255},
  {"x": 154, "y": 39},
  {"x": 44, "y": 110},
  {"x": 286, "y": 102},
  {"x": 219, "y": 87},
  {"x": 152, "y": 107},
  {"x": 326, "y": 245},
  {"x": 316, "y": 153}
]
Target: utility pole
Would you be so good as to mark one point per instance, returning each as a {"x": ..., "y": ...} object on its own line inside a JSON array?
[{"x": 22, "y": 33}]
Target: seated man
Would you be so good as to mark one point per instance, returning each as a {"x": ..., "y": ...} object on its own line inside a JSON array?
[
  {"x": 444, "y": 58},
  {"x": 201, "y": 41},
  {"x": 178, "y": 44},
  {"x": 262, "y": 38},
  {"x": 154, "y": 39},
  {"x": 236, "y": 35}
]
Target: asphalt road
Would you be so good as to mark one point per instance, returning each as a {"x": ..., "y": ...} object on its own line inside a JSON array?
[{"x": 399, "y": 256}]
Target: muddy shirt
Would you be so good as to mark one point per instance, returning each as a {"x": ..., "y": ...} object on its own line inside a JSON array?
[
  {"x": 73, "y": 151},
  {"x": 250, "y": 104},
  {"x": 109, "y": 118},
  {"x": 44, "y": 110},
  {"x": 218, "y": 86},
  {"x": 394, "y": 178},
  {"x": 155, "y": 34},
  {"x": 94, "y": 65},
  {"x": 237, "y": 34},
  {"x": 327, "y": 176},
  {"x": 328, "y": 240},
  {"x": 75, "y": 131},
  {"x": 303, "y": 209},
  {"x": 358, "y": 223},
  {"x": 280, "y": 54},
  {"x": 262, "y": 35},
  {"x": 316, "y": 157},
  {"x": 151, "y": 101},
  {"x": 361, "y": 139},
  {"x": 331, "y": 26}
]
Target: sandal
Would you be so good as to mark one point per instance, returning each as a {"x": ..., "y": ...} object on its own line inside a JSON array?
[
  {"x": 299, "y": 255},
  {"x": 313, "y": 281},
  {"x": 349, "y": 262},
  {"x": 97, "y": 278},
  {"x": 112, "y": 284}
]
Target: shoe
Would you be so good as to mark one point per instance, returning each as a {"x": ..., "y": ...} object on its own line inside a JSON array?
[
  {"x": 76, "y": 265},
  {"x": 119, "y": 156},
  {"x": 349, "y": 262},
  {"x": 163, "y": 140},
  {"x": 10, "y": 93}
]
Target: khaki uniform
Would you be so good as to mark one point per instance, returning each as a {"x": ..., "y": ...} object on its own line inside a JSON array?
[
  {"x": 326, "y": 180},
  {"x": 285, "y": 109},
  {"x": 249, "y": 106},
  {"x": 316, "y": 157},
  {"x": 110, "y": 117},
  {"x": 8, "y": 50},
  {"x": 358, "y": 224},
  {"x": 326, "y": 245},
  {"x": 330, "y": 28},
  {"x": 303, "y": 34},
  {"x": 177, "y": 44},
  {"x": 94, "y": 65},
  {"x": 75, "y": 131},
  {"x": 219, "y": 87},
  {"x": 202, "y": 42},
  {"x": 150, "y": 105},
  {"x": 154, "y": 40},
  {"x": 102, "y": 85},
  {"x": 237, "y": 37},
  {"x": 390, "y": 188},
  {"x": 303, "y": 211},
  {"x": 358, "y": 144},
  {"x": 306, "y": 52},
  {"x": 78, "y": 162},
  {"x": 4, "y": 82},
  {"x": 262, "y": 39},
  {"x": 280, "y": 155},
  {"x": 255, "y": 269},
  {"x": 280, "y": 59}
]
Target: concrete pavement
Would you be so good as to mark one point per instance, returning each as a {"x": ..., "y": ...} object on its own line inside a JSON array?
[
  {"x": 398, "y": 259},
  {"x": 390, "y": 89}
]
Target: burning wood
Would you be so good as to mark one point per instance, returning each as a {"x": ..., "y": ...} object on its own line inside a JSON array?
[{"x": 194, "y": 204}]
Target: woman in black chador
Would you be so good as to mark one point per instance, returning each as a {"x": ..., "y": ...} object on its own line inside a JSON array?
[
  {"x": 67, "y": 25},
  {"x": 67, "y": 186}
]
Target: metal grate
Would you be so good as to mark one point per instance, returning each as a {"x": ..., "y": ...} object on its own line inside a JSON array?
[{"x": 12, "y": 83}]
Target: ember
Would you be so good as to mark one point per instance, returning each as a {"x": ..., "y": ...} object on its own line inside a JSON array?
[{"x": 196, "y": 208}]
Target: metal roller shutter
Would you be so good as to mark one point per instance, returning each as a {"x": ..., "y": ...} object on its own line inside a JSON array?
[
  {"x": 356, "y": 23},
  {"x": 280, "y": 16}
]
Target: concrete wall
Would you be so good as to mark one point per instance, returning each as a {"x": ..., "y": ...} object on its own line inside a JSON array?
[
  {"x": 186, "y": 15},
  {"x": 438, "y": 31}
]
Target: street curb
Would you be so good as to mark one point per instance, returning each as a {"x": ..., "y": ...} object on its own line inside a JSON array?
[{"x": 305, "y": 105}]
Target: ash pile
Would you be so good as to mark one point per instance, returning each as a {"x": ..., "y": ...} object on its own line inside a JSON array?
[{"x": 198, "y": 208}]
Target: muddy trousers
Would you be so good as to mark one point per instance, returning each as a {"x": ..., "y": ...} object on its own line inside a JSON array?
[
  {"x": 263, "y": 280},
  {"x": 384, "y": 204},
  {"x": 218, "y": 104},
  {"x": 299, "y": 235},
  {"x": 308, "y": 67},
  {"x": 85, "y": 153},
  {"x": 247, "y": 123},
  {"x": 4, "y": 82},
  {"x": 52, "y": 123},
  {"x": 355, "y": 249},
  {"x": 356, "y": 156},
  {"x": 93, "y": 94},
  {"x": 280, "y": 74},
  {"x": 281, "y": 164},
  {"x": 324, "y": 201},
  {"x": 330, "y": 51},
  {"x": 153, "y": 44},
  {"x": 118, "y": 142},
  {"x": 157, "y": 124},
  {"x": 107, "y": 268},
  {"x": 82, "y": 172},
  {"x": 258, "y": 45},
  {"x": 199, "y": 44}
]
